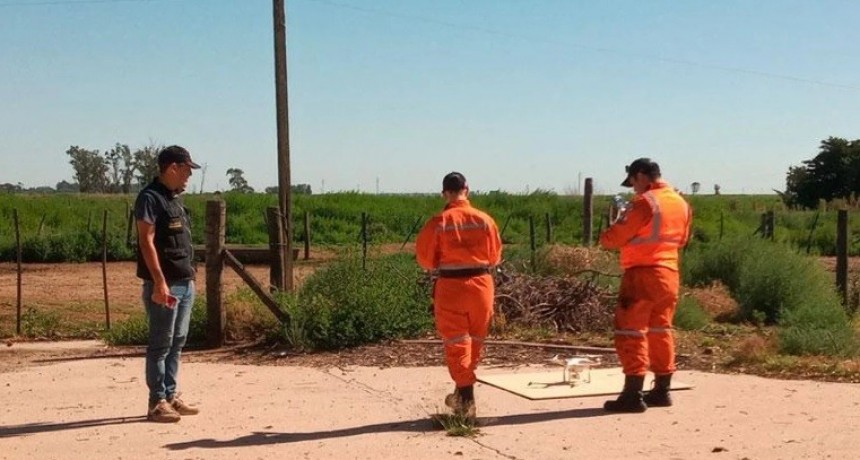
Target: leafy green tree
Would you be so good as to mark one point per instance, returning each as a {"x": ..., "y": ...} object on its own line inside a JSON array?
[
  {"x": 833, "y": 173},
  {"x": 91, "y": 171},
  {"x": 145, "y": 160},
  {"x": 122, "y": 167},
  {"x": 238, "y": 182},
  {"x": 297, "y": 189}
]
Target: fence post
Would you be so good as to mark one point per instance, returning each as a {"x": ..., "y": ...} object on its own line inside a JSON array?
[
  {"x": 41, "y": 225},
  {"x": 276, "y": 240},
  {"x": 842, "y": 254},
  {"x": 588, "y": 212},
  {"x": 532, "y": 245},
  {"x": 216, "y": 316},
  {"x": 812, "y": 232},
  {"x": 19, "y": 300},
  {"x": 770, "y": 224},
  {"x": 364, "y": 240},
  {"x": 307, "y": 235},
  {"x": 721, "y": 226},
  {"x": 505, "y": 226},
  {"x": 104, "y": 267},
  {"x": 548, "y": 228},
  {"x": 128, "y": 227}
]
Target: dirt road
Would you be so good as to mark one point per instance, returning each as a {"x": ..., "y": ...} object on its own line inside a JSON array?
[{"x": 92, "y": 408}]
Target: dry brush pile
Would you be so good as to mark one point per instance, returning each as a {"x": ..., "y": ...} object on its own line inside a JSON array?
[{"x": 556, "y": 298}]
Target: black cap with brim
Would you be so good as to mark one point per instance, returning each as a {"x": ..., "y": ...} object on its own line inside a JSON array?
[
  {"x": 176, "y": 154},
  {"x": 640, "y": 165}
]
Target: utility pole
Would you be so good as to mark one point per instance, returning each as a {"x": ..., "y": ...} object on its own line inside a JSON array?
[{"x": 285, "y": 258}]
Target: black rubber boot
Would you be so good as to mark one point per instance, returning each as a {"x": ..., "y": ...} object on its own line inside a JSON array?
[
  {"x": 630, "y": 399},
  {"x": 659, "y": 395}
]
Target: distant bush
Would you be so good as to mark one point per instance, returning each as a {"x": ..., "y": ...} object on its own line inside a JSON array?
[
  {"x": 135, "y": 329},
  {"x": 775, "y": 285},
  {"x": 689, "y": 316},
  {"x": 702, "y": 264},
  {"x": 344, "y": 305},
  {"x": 40, "y": 324},
  {"x": 818, "y": 329}
]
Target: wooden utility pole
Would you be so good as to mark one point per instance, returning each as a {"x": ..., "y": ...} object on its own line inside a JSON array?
[
  {"x": 216, "y": 315},
  {"x": 842, "y": 240},
  {"x": 588, "y": 212},
  {"x": 283, "y": 123}
]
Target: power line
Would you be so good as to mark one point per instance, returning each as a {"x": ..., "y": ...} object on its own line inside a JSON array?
[
  {"x": 599, "y": 49},
  {"x": 74, "y": 2}
]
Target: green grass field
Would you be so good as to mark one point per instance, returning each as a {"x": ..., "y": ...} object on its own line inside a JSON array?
[{"x": 67, "y": 227}]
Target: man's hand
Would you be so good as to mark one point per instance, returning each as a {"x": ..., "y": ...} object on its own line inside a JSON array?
[{"x": 161, "y": 295}]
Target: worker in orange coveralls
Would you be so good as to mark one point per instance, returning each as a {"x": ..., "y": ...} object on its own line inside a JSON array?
[
  {"x": 649, "y": 232},
  {"x": 461, "y": 247}
]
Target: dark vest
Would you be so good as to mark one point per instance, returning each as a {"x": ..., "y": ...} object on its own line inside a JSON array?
[{"x": 172, "y": 237}]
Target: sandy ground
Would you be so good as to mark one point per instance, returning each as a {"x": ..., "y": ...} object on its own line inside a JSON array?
[{"x": 71, "y": 408}]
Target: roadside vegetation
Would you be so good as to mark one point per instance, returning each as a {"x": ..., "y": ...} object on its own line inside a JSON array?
[
  {"x": 67, "y": 227},
  {"x": 748, "y": 305}
]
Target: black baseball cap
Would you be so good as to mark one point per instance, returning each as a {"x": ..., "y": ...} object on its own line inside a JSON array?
[
  {"x": 453, "y": 182},
  {"x": 175, "y": 154},
  {"x": 641, "y": 165}
]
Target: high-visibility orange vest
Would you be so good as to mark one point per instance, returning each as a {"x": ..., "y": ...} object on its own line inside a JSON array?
[
  {"x": 657, "y": 242},
  {"x": 459, "y": 238}
]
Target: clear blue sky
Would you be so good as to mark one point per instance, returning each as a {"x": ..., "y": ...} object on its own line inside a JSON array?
[{"x": 516, "y": 94}]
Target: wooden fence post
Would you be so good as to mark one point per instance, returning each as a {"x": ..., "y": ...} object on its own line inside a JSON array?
[
  {"x": 41, "y": 225},
  {"x": 770, "y": 224},
  {"x": 721, "y": 226},
  {"x": 277, "y": 277},
  {"x": 812, "y": 232},
  {"x": 548, "y": 228},
  {"x": 19, "y": 300},
  {"x": 216, "y": 315},
  {"x": 532, "y": 243},
  {"x": 842, "y": 254},
  {"x": 364, "y": 240},
  {"x": 307, "y": 235},
  {"x": 588, "y": 212},
  {"x": 128, "y": 231},
  {"x": 104, "y": 268}
]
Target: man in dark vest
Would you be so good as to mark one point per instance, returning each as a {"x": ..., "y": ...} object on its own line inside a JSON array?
[{"x": 165, "y": 263}]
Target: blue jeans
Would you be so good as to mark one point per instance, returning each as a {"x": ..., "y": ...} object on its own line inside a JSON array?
[{"x": 168, "y": 330}]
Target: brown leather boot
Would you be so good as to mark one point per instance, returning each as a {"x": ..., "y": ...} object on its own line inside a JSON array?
[
  {"x": 162, "y": 412},
  {"x": 181, "y": 408},
  {"x": 462, "y": 401}
]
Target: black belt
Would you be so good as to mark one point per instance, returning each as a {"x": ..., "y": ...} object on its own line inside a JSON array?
[{"x": 463, "y": 272}]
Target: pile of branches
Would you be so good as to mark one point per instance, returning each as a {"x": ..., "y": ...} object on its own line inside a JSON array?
[{"x": 563, "y": 303}]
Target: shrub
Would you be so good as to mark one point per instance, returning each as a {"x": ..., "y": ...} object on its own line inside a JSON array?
[
  {"x": 689, "y": 316},
  {"x": 703, "y": 264},
  {"x": 818, "y": 329},
  {"x": 40, "y": 324},
  {"x": 135, "y": 329},
  {"x": 344, "y": 305},
  {"x": 774, "y": 279}
]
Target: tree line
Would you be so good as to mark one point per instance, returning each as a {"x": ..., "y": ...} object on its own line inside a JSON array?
[{"x": 834, "y": 173}]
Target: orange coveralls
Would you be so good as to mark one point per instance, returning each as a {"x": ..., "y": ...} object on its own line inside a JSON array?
[
  {"x": 462, "y": 244},
  {"x": 649, "y": 235}
]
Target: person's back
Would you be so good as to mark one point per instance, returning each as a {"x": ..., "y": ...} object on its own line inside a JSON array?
[
  {"x": 461, "y": 246},
  {"x": 649, "y": 235}
]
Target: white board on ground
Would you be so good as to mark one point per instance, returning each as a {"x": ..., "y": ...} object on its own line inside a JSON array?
[{"x": 551, "y": 384}]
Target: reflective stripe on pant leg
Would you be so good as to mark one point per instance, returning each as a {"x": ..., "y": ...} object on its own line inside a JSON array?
[
  {"x": 631, "y": 325},
  {"x": 661, "y": 337},
  {"x": 453, "y": 328},
  {"x": 480, "y": 310}
]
